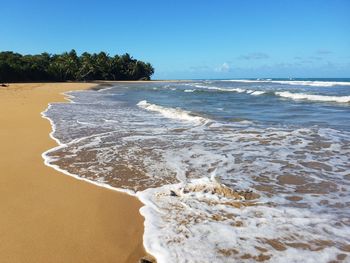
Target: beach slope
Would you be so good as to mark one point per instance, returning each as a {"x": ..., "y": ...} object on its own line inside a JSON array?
[{"x": 46, "y": 216}]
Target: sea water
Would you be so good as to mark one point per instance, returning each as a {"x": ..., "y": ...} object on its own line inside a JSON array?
[{"x": 228, "y": 170}]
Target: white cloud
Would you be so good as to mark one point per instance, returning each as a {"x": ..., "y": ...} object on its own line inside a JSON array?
[
  {"x": 225, "y": 67},
  {"x": 254, "y": 56},
  {"x": 323, "y": 52}
]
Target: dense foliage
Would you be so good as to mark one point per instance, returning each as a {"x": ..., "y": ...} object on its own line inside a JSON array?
[{"x": 69, "y": 66}]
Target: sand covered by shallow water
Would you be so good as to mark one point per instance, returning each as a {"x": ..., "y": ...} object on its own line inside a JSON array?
[{"x": 179, "y": 148}]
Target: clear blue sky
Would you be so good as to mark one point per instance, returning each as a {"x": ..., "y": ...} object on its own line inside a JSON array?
[{"x": 191, "y": 38}]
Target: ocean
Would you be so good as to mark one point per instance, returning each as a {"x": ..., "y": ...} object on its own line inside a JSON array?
[{"x": 228, "y": 170}]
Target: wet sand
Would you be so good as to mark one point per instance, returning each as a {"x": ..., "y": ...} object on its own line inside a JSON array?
[{"x": 46, "y": 216}]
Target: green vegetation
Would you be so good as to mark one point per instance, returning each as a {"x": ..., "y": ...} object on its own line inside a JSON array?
[{"x": 68, "y": 66}]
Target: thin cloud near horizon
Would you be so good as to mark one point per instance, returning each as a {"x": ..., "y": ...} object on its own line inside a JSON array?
[{"x": 254, "y": 56}]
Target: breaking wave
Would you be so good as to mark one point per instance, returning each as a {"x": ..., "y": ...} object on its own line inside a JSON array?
[
  {"x": 172, "y": 113},
  {"x": 284, "y": 94},
  {"x": 296, "y": 82},
  {"x": 313, "y": 97}
]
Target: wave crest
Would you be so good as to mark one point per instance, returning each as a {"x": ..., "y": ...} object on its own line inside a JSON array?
[
  {"x": 284, "y": 94},
  {"x": 312, "y": 97},
  {"x": 296, "y": 82},
  {"x": 172, "y": 113}
]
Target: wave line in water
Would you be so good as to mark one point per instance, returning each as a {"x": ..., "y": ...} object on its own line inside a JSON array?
[
  {"x": 284, "y": 94},
  {"x": 296, "y": 82},
  {"x": 171, "y": 113},
  {"x": 313, "y": 97},
  {"x": 238, "y": 90}
]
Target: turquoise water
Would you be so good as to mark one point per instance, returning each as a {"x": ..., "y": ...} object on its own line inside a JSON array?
[{"x": 176, "y": 145}]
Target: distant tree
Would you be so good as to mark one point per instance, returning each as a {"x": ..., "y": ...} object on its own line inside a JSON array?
[
  {"x": 86, "y": 71},
  {"x": 10, "y": 66},
  {"x": 148, "y": 71},
  {"x": 68, "y": 66},
  {"x": 116, "y": 68},
  {"x": 35, "y": 67},
  {"x": 72, "y": 65},
  {"x": 102, "y": 66},
  {"x": 126, "y": 63}
]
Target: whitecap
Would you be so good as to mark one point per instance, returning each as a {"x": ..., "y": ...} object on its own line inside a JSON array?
[
  {"x": 313, "y": 97},
  {"x": 295, "y": 82},
  {"x": 172, "y": 113}
]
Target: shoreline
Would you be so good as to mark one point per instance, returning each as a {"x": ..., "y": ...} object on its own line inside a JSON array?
[{"x": 64, "y": 220}]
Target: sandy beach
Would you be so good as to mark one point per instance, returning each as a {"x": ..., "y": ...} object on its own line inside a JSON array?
[{"x": 47, "y": 216}]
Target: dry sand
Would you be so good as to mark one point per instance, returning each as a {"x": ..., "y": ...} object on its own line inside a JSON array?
[{"x": 46, "y": 216}]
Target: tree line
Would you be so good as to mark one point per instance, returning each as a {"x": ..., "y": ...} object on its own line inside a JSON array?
[{"x": 68, "y": 66}]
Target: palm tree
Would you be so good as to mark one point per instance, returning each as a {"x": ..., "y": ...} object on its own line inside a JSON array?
[{"x": 86, "y": 71}]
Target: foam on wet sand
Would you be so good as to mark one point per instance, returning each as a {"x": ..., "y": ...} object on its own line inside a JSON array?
[{"x": 297, "y": 172}]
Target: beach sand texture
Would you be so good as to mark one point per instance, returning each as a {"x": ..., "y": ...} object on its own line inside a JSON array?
[{"x": 46, "y": 216}]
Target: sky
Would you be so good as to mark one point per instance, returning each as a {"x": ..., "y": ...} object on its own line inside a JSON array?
[{"x": 191, "y": 39}]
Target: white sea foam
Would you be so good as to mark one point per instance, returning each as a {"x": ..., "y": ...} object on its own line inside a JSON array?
[
  {"x": 285, "y": 94},
  {"x": 171, "y": 113},
  {"x": 188, "y": 221},
  {"x": 296, "y": 82},
  {"x": 257, "y": 92},
  {"x": 86, "y": 123},
  {"x": 238, "y": 90},
  {"x": 105, "y": 89},
  {"x": 312, "y": 97},
  {"x": 49, "y": 160},
  {"x": 314, "y": 83}
]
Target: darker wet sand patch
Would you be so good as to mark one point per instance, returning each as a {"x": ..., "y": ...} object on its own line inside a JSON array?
[
  {"x": 317, "y": 166},
  {"x": 317, "y": 188},
  {"x": 294, "y": 198},
  {"x": 277, "y": 245},
  {"x": 291, "y": 179}
]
